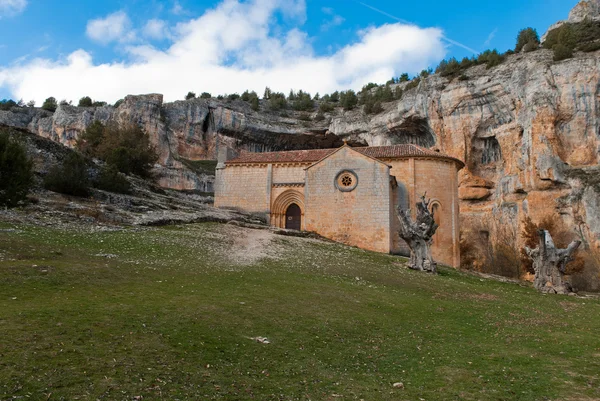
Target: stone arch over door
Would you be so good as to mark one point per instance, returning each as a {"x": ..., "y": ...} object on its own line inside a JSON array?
[{"x": 282, "y": 204}]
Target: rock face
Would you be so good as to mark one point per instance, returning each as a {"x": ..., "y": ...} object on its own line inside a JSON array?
[
  {"x": 585, "y": 9},
  {"x": 528, "y": 131}
]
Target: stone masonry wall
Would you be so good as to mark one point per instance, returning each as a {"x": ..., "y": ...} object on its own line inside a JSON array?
[
  {"x": 438, "y": 179},
  {"x": 360, "y": 217},
  {"x": 243, "y": 187}
]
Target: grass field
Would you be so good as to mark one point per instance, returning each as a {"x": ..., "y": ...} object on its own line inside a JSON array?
[{"x": 173, "y": 313}]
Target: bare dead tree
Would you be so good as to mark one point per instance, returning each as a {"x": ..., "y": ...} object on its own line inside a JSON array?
[
  {"x": 418, "y": 234},
  {"x": 550, "y": 264}
]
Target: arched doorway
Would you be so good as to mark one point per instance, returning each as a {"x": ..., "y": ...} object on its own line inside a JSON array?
[{"x": 293, "y": 217}]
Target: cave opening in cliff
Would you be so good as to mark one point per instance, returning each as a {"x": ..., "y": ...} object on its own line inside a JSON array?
[
  {"x": 415, "y": 131},
  {"x": 485, "y": 152}
]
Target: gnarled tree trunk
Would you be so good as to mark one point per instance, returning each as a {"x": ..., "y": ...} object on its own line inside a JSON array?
[
  {"x": 550, "y": 264},
  {"x": 418, "y": 234}
]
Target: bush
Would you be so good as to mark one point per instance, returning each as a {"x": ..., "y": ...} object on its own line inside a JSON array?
[
  {"x": 90, "y": 139},
  {"x": 7, "y": 104},
  {"x": 70, "y": 177},
  {"x": 531, "y": 47},
  {"x": 255, "y": 104},
  {"x": 126, "y": 148},
  {"x": 525, "y": 37},
  {"x": 50, "y": 104},
  {"x": 85, "y": 101},
  {"x": 205, "y": 95},
  {"x": 404, "y": 78},
  {"x": 326, "y": 107},
  {"x": 16, "y": 174},
  {"x": 590, "y": 47},
  {"x": 561, "y": 52},
  {"x": 303, "y": 102},
  {"x": 118, "y": 103},
  {"x": 277, "y": 101},
  {"x": 190, "y": 95},
  {"x": 111, "y": 180},
  {"x": 413, "y": 84},
  {"x": 348, "y": 99}
]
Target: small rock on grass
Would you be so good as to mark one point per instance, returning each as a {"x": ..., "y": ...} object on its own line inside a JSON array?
[{"x": 398, "y": 385}]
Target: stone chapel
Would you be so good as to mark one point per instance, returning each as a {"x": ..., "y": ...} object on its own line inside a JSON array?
[{"x": 348, "y": 194}]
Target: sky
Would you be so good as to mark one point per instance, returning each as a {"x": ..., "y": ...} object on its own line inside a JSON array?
[{"x": 111, "y": 48}]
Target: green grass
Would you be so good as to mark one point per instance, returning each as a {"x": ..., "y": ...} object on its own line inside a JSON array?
[{"x": 168, "y": 316}]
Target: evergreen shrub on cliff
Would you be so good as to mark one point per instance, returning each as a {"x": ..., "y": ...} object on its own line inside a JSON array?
[
  {"x": 16, "y": 174},
  {"x": 527, "y": 39},
  {"x": 126, "y": 148},
  {"x": 70, "y": 178}
]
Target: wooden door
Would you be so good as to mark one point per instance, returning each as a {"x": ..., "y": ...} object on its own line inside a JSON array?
[{"x": 293, "y": 217}]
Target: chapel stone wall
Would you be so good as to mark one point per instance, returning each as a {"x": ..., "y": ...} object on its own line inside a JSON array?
[
  {"x": 244, "y": 187},
  {"x": 360, "y": 217},
  {"x": 438, "y": 179}
]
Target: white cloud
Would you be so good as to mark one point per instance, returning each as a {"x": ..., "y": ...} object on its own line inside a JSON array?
[
  {"x": 333, "y": 21},
  {"x": 228, "y": 49},
  {"x": 156, "y": 29},
  {"x": 9, "y": 8},
  {"x": 177, "y": 8},
  {"x": 114, "y": 27}
]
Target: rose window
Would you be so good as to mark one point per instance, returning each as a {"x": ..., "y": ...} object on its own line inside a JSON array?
[{"x": 346, "y": 181}]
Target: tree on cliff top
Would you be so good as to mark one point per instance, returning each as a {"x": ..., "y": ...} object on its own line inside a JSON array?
[
  {"x": 50, "y": 104},
  {"x": 527, "y": 36}
]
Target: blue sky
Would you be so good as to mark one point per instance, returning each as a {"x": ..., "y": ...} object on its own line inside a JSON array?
[{"x": 107, "y": 49}]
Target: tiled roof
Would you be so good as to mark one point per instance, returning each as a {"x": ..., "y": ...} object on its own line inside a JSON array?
[{"x": 314, "y": 155}]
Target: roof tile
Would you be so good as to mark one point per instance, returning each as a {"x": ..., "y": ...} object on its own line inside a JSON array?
[{"x": 314, "y": 155}]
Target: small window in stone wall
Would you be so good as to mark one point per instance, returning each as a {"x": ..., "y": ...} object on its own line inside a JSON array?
[{"x": 346, "y": 180}]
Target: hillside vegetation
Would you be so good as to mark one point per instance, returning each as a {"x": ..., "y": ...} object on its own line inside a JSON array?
[{"x": 181, "y": 313}]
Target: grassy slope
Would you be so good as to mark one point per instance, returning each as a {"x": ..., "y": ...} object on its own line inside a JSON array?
[{"x": 171, "y": 318}]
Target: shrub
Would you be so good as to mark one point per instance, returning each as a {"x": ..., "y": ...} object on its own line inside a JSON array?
[
  {"x": 326, "y": 107},
  {"x": 118, "y": 103},
  {"x": 16, "y": 174},
  {"x": 531, "y": 46},
  {"x": 561, "y": 52},
  {"x": 335, "y": 97},
  {"x": 205, "y": 95},
  {"x": 255, "y": 104},
  {"x": 413, "y": 84},
  {"x": 85, "y": 101},
  {"x": 7, "y": 104},
  {"x": 404, "y": 78},
  {"x": 303, "y": 102},
  {"x": 128, "y": 149},
  {"x": 348, "y": 99},
  {"x": 90, "y": 139},
  {"x": 50, "y": 104},
  {"x": 590, "y": 47},
  {"x": 111, "y": 180},
  {"x": 277, "y": 101},
  {"x": 70, "y": 177},
  {"x": 190, "y": 95},
  {"x": 373, "y": 107},
  {"x": 526, "y": 36},
  {"x": 463, "y": 77},
  {"x": 567, "y": 36}
]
